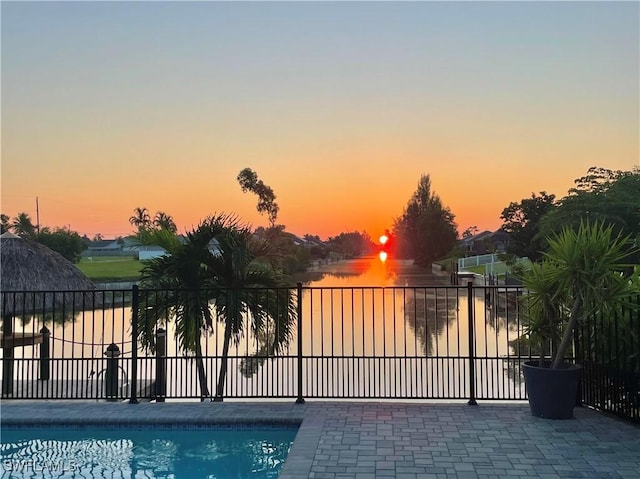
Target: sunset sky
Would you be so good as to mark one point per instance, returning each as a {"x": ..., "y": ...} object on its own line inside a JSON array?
[{"x": 339, "y": 107}]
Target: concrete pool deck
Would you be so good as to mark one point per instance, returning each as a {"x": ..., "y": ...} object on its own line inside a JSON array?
[{"x": 369, "y": 440}]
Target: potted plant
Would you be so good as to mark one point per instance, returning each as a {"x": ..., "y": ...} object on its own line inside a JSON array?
[{"x": 583, "y": 272}]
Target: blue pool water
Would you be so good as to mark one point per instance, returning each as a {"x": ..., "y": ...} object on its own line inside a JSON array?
[{"x": 144, "y": 452}]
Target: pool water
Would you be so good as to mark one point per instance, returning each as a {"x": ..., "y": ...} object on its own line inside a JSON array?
[{"x": 144, "y": 452}]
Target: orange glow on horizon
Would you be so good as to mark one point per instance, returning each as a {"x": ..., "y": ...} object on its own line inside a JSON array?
[{"x": 342, "y": 152}]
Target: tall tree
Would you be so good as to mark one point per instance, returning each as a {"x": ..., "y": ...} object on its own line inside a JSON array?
[
  {"x": 611, "y": 197},
  {"x": 23, "y": 226},
  {"x": 249, "y": 181},
  {"x": 426, "y": 230},
  {"x": 140, "y": 218},
  {"x": 522, "y": 221},
  {"x": 598, "y": 180},
  {"x": 165, "y": 221},
  {"x": 221, "y": 264}
]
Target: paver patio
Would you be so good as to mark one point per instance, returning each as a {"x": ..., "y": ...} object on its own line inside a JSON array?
[{"x": 367, "y": 440}]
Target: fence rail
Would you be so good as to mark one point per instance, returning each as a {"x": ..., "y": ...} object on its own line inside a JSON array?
[
  {"x": 470, "y": 261},
  {"x": 432, "y": 342}
]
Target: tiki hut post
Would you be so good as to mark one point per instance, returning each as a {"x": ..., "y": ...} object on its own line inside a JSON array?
[
  {"x": 45, "y": 353},
  {"x": 161, "y": 365},
  {"x": 111, "y": 376}
]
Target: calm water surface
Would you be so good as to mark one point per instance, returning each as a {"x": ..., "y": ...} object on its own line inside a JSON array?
[{"x": 369, "y": 328}]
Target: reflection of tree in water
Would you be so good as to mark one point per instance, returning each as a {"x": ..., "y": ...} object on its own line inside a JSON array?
[
  {"x": 58, "y": 308},
  {"x": 429, "y": 312},
  {"x": 502, "y": 308},
  {"x": 59, "y": 318},
  {"x": 308, "y": 277},
  {"x": 503, "y": 312},
  {"x": 347, "y": 269},
  {"x": 515, "y": 370}
]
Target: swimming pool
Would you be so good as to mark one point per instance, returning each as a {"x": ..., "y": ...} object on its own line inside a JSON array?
[{"x": 171, "y": 452}]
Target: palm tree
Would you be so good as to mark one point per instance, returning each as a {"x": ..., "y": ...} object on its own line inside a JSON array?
[
  {"x": 140, "y": 218},
  {"x": 218, "y": 273},
  {"x": 584, "y": 272},
  {"x": 4, "y": 223},
  {"x": 249, "y": 289},
  {"x": 164, "y": 221},
  {"x": 23, "y": 226},
  {"x": 183, "y": 284}
]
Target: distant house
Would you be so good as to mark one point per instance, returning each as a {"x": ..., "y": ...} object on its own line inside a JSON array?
[
  {"x": 128, "y": 246},
  {"x": 105, "y": 245},
  {"x": 313, "y": 242},
  {"x": 486, "y": 242},
  {"x": 150, "y": 252},
  {"x": 131, "y": 244},
  {"x": 214, "y": 247}
]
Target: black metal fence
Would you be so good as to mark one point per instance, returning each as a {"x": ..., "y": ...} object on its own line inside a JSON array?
[
  {"x": 433, "y": 342},
  {"x": 608, "y": 347}
]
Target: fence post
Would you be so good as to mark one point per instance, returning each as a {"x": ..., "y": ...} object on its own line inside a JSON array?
[
  {"x": 111, "y": 375},
  {"x": 300, "y": 399},
  {"x": 135, "y": 301},
  {"x": 45, "y": 354},
  {"x": 161, "y": 365},
  {"x": 7, "y": 356},
  {"x": 578, "y": 359},
  {"x": 472, "y": 343}
]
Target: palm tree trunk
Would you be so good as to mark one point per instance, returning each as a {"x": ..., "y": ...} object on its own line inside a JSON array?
[
  {"x": 202, "y": 375},
  {"x": 223, "y": 366},
  {"x": 567, "y": 337},
  {"x": 541, "y": 345}
]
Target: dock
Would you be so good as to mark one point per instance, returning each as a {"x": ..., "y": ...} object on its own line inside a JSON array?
[{"x": 88, "y": 389}]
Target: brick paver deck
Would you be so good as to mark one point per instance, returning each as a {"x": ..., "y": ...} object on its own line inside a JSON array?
[{"x": 367, "y": 440}]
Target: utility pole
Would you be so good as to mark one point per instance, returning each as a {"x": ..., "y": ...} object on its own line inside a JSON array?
[{"x": 37, "y": 216}]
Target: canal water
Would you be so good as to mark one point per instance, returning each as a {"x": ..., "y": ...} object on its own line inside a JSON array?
[
  {"x": 374, "y": 272},
  {"x": 370, "y": 328}
]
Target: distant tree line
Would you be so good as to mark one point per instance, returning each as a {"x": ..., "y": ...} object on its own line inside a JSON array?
[
  {"x": 62, "y": 240},
  {"x": 425, "y": 231}
]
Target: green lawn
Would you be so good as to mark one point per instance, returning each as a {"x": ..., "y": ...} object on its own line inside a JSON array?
[
  {"x": 499, "y": 268},
  {"x": 110, "y": 268}
]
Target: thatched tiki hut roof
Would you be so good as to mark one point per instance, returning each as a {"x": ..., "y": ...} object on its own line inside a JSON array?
[{"x": 28, "y": 266}]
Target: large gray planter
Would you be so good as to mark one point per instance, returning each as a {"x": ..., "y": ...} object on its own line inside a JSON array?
[{"x": 552, "y": 392}]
